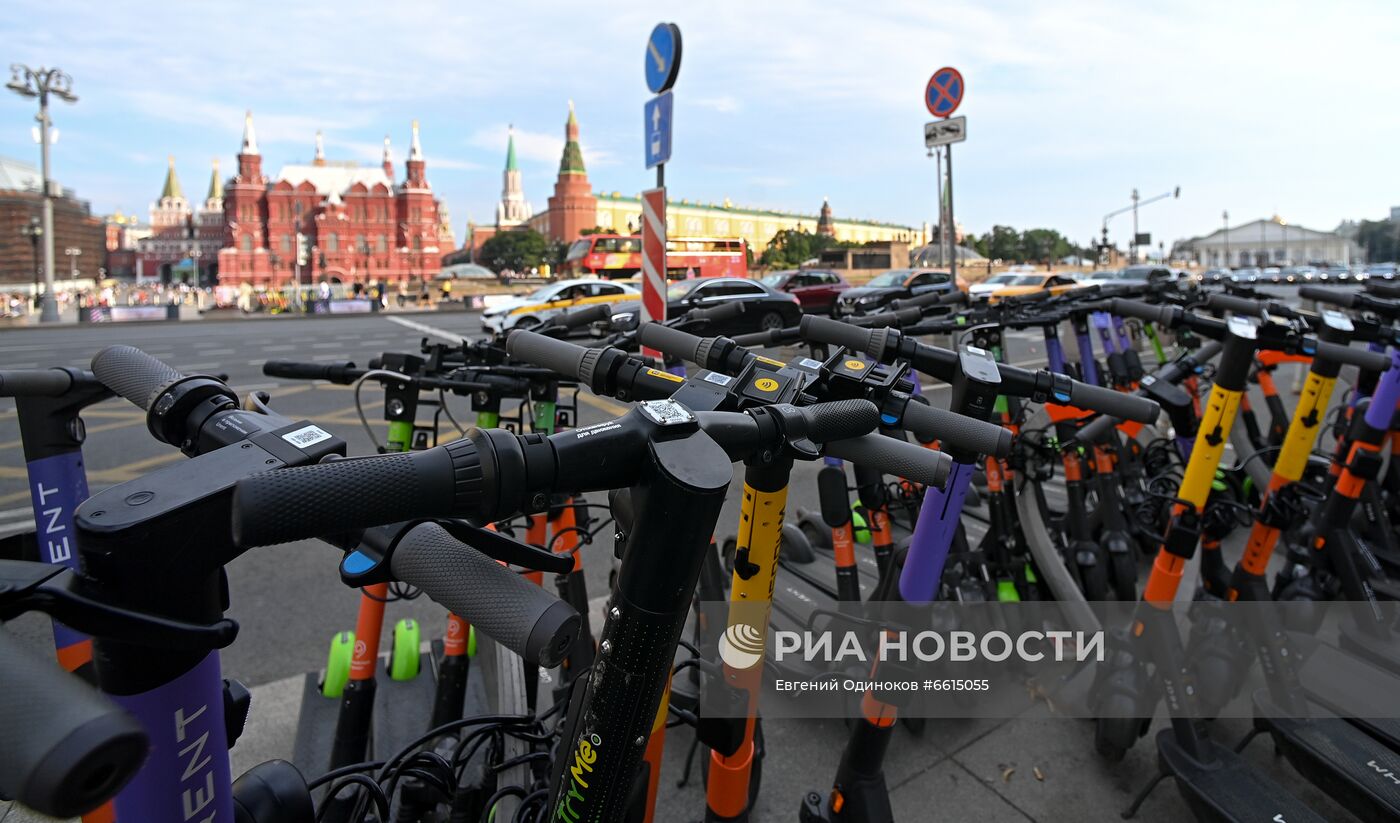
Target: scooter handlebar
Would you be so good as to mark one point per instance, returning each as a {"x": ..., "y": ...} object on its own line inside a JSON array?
[
  {"x": 893, "y": 456},
  {"x": 293, "y": 370},
  {"x": 64, "y": 748},
  {"x": 956, "y": 430},
  {"x": 34, "y": 382},
  {"x": 133, "y": 374},
  {"x": 511, "y": 610}
]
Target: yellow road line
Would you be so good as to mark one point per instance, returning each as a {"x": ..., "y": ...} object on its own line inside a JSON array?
[
  {"x": 608, "y": 406},
  {"x": 134, "y": 469}
]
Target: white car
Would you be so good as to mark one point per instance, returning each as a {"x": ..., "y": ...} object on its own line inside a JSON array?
[
  {"x": 993, "y": 283},
  {"x": 548, "y": 300}
]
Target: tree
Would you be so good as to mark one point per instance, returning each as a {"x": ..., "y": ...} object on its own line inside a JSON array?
[
  {"x": 793, "y": 247},
  {"x": 516, "y": 250},
  {"x": 1002, "y": 243},
  {"x": 1380, "y": 239}
]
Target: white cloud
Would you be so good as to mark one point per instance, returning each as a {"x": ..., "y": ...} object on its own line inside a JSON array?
[
  {"x": 1250, "y": 105},
  {"x": 724, "y": 103}
]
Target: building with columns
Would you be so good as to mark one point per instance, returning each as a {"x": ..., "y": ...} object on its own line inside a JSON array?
[
  {"x": 358, "y": 225},
  {"x": 1272, "y": 242}
]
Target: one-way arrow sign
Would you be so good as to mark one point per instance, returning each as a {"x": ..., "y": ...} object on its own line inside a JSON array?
[
  {"x": 656, "y": 117},
  {"x": 945, "y": 132}
]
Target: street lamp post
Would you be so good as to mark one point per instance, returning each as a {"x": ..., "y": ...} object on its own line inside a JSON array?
[
  {"x": 34, "y": 230},
  {"x": 1136, "y": 204},
  {"x": 1225, "y": 215},
  {"x": 27, "y": 82}
]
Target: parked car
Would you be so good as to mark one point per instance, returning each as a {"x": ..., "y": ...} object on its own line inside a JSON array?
[
  {"x": 815, "y": 289},
  {"x": 766, "y": 308},
  {"x": 532, "y": 309},
  {"x": 1246, "y": 275},
  {"x": 1098, "y": 278},
  {"x": 1056, "y": 284},
  {"x": 890, "y": 286},
  {"x": 992, "y": 283}
]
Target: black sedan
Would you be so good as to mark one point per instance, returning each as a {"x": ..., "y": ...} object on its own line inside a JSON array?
[
  {"x": 891, "y": 286},
  {"x": 765, "y": 308}
]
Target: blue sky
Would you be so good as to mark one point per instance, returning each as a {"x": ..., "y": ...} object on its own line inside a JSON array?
[{"x": 1254, "y": 107}]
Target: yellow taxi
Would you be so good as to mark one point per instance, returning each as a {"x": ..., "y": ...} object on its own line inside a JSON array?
[{"x": 1056, "y": 284}]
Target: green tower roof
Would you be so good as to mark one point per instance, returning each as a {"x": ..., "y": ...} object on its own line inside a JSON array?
[
  {"x": 572, "y": 161},
  {"x": 216, "y": 184},
  {"x": 172, "y": 183},
  {"x": 510, "y": 153}
]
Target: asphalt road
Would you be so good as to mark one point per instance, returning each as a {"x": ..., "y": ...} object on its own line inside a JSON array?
[{"x": 289, "y": 601}]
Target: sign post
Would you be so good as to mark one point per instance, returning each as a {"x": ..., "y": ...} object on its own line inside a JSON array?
[
  {"x": 662, "y": 64},
  {"x": 942, "y": 95}
]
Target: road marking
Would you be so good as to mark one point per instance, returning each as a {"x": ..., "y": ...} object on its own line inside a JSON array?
[
  {"x": 11, "y": 514},
  {"x": 279, "y": 348},
  {"x": 134, "y": 469},
  {"x": 614, "y": 409},
  {"x": 426, "y": 329},
  {"x": 91, "y": 430},
  {"x": 212, "y": 352}
]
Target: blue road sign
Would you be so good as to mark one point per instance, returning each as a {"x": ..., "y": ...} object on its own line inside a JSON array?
[
  {"x": 944, "y": 92},
  {"x": 663, "y": 57},
  {"x": 657, "y": 116}
]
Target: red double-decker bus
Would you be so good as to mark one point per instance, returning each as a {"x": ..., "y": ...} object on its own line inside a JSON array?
[{"x": 617, "y": 256}]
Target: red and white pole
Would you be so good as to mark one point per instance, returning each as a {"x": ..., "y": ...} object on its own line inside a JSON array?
[{"x": 653, "y": 259}]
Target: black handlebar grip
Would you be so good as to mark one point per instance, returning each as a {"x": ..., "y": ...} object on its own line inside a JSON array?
[
  {"x": 1345, "y": 299},
  {"x": 772, "y": 337},
  {"x": 295, "y": 370},
  {"x": 1346, "y": 355},
  {"x": 957, "y": 431},
  {"x": 674, "y": 342},
  {"x": 34, "y": 382},
  {"x": 511, "y": 610},
  {"x": 951, "y": 298},
  {"x": 1114, "y": 403},
  {"x": 133, "y": 374},
  {"x": 724, "y": 311},
  {"x": 342, "y": 495},
  {"x": 64, "y": 748},
  {"x": 840, "y": 419},
  {"x": 889, "y": 455},
  {"x": 1095, "y": 429},
  {"x": 582, "y": 317},
  {"x": 1383, "y": 288},
  {"x": 1141, "y": 310},
  {"x": 897, "y": 319},
  {"x": 836, "y": 333},
  {"x": 556, "y": 355},
  {"x": 1236, "y": 304}
]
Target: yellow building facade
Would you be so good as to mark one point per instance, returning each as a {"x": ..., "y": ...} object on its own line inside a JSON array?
[{"x": 623, "y": 215}]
